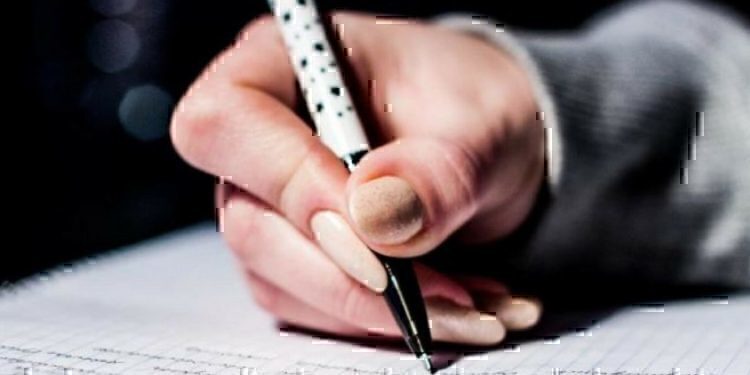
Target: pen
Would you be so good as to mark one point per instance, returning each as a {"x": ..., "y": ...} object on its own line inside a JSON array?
[{"x": 321, "y": 79}]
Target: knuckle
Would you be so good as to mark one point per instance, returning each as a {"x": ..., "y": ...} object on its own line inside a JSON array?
[
  {"x": 243, "y": 231},
  {"x": 354, "y": 304},
  {"x": 298, "y": 173},
  {"x": 466, "y": 167},
  {"x": 192, "y": 125},
  {"x": 234, "y": 235},
  {"x": 267, "y": 300}
]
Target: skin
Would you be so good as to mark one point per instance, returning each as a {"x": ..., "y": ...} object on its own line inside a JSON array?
[{"x": 455, "y": 118}]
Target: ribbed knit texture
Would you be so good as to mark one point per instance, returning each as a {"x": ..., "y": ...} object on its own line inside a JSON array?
[{"x": 652, "y": 108}]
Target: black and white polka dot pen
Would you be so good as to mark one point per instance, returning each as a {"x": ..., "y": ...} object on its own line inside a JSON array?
[{"x": 339, "y": 127}]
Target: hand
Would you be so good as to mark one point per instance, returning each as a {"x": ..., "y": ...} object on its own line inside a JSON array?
[{"x": 461, "y": 155}]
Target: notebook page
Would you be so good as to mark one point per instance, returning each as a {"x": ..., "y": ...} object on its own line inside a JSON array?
[{"x": 178, "y": 305}]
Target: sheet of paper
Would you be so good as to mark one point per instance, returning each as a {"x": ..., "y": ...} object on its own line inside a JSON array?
[{"x": 178, "y": 305}]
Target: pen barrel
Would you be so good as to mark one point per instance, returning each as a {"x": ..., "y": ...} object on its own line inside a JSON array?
[
  {"x": 322, "y": 80},
  {"x": 320, "y": 76},
  {"x": 405, "y": 301},
  {"x": 402, "y": 294}
]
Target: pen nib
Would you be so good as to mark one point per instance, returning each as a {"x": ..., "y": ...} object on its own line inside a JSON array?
[{"x": 427, "y": 363}]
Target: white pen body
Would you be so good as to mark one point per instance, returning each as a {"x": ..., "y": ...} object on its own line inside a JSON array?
[{"x": 319, "y": 75}]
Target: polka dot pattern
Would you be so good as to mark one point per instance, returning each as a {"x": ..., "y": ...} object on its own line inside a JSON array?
[{"x": 318, "y": 74}]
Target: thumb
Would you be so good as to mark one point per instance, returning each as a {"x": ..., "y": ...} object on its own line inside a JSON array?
[{"x": 408, "y": 196}]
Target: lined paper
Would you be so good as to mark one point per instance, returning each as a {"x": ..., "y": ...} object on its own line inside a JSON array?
[{"x": 178, "y": 305}]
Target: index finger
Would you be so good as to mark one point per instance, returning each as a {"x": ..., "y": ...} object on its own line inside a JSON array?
[{"x": 236, "y": 122}]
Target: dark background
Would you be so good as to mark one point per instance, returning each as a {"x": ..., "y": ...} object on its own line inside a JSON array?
[{"x": 91, "y": 167}]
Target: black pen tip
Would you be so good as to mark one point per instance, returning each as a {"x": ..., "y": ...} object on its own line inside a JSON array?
[{"x": 427, "y": 362}]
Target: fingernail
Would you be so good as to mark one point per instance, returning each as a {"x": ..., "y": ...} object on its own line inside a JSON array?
[
  {"x": 450, "y": 322},
  {"x": 338, "y": 240},
  {"x": 386, "y": 210},
  {"x": 518, "y": 313}
]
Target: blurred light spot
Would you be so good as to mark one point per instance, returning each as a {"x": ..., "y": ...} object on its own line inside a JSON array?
[
  {"x": 144, "y": 112},
  {"x": 113, "y": 45},
  {"x": 111, "y": 8}
]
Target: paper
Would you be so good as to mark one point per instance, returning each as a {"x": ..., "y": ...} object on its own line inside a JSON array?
[{"x": 178, "y": 305}]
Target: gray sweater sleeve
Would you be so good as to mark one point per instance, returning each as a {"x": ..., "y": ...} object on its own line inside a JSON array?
[{"x": 648, "y": 116}]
